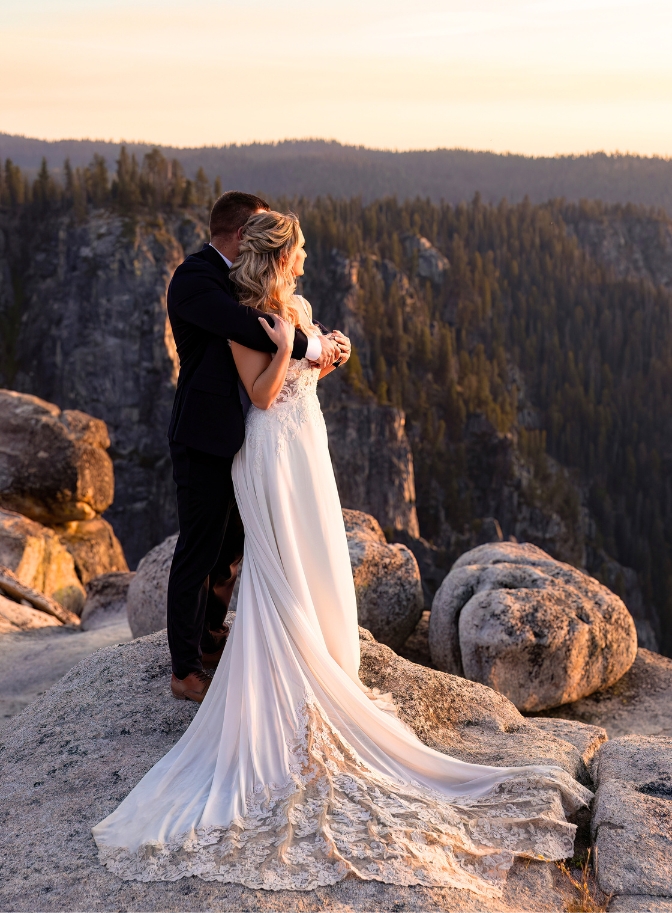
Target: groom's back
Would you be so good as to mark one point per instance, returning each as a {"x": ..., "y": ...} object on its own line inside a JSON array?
[{"x": 207, "y": 414}]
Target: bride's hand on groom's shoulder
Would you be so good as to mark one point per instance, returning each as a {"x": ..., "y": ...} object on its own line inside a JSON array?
[{"x": 282, "y": 333}]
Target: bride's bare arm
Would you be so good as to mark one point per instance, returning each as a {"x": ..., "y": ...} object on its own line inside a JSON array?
[{"x": 263, "y": 375}]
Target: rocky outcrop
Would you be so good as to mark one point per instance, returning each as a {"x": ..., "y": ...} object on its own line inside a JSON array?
[
  {"x": 634, "y": 244},
  {"x": 639, "y": 703},
  {"x": 387, "y": 580},
  {"x": 106, "y": 601},
  {"x": 15, "y": 616},
  {"x": 18, "y": 591},
  {"x": 79, "y": 749},
  {"x": 147, "y": 593},
  {"x": 55, "y": 470},
  {"x": 632, "y": 816},
  {"x": 585, "y": 738},
  {"x": 40, "y": 561},
  {"x": 431, "y": 263},
  {"x": 54, "y": 466},
  {"x": 373, "y": 462},
  {"x": 535, "y": 629},
  {"x": 463, "y": 718},
  {"x": 94, "y": 548}
]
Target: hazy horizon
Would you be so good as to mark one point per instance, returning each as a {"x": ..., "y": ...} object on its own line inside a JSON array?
[
  {"x": 577, "y": 153},
  {"x": 529, "y": 77}
]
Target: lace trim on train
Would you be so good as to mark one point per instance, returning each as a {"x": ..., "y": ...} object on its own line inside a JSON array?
[
  {"x": 296, "y": 404},
  {"x": 334, "y": 816}
]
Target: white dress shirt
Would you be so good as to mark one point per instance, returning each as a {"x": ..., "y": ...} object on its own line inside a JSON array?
[{"x": 314, "y": 348}]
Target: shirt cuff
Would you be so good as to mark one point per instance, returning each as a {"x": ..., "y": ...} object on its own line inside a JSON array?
[{"x": 314, "y": 348}]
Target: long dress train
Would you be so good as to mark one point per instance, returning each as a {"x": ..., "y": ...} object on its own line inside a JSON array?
[{"x": 292, "y": 774}]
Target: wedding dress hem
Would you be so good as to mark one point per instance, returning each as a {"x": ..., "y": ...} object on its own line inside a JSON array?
[{"x": 335, "y": 816}]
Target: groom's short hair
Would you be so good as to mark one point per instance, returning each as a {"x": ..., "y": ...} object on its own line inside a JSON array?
[{"x": 232, "y": 210}]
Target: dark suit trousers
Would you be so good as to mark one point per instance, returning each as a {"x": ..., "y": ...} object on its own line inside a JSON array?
[{"x": 210, "y": 541}]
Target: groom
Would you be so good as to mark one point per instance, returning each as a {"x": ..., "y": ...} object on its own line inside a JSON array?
[{"x": 206, "y": 430}]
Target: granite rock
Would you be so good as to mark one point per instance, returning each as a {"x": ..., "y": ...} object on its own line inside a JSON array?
[
  {"x": 14, "y": 616},
  {"x": 94, "y": 335},
  {"x": 585, "y": 738},
  {"x": 640, "y": 903},
  {"x": 463, "y": 718},
  {"x": 387, "y": 580},
  {"x": 633, "y": 838},
  {"x": 538, "y": 630},
  {"x": 106, "y": 600},
  {"x": 148, "y": 591},
  {"x": 39, "y": 560},
  {"x": 54, "y": 467},
  {"x": 94, "y": 548},
  {"x": 632, "y": 816}
]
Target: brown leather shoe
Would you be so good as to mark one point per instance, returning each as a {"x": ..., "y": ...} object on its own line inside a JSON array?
[
  {"x": 192, "y": 688},
  {"x": 210, "y": 659}
]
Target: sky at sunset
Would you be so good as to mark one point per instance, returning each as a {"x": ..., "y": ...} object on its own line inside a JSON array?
[{"x": 540, "y": 77}]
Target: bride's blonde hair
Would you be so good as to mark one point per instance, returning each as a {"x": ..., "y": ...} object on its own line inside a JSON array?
[{"x": 262, "y": 271}]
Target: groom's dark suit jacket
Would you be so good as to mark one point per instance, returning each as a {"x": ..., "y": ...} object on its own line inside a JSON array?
[{"x": 204, "y": 314}]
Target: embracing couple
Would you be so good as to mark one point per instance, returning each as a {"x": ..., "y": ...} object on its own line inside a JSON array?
[{"x": 293, "y": 774}]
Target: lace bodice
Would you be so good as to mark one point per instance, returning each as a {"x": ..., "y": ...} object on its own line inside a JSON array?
[{"x": 296, "y": 404}]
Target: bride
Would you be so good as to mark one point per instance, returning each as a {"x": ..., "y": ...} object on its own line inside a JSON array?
[{"x": 293, "y": 774}]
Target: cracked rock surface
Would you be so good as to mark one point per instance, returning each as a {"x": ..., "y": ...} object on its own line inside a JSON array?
[{"x": 632, "y": 816}]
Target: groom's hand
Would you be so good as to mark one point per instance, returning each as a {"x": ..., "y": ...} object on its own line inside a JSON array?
[
  {"x": 330, "y": 352},
  {"x": 344, "y": 345}
]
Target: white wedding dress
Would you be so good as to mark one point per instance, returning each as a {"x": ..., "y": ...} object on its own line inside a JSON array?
[{"x": 292, "y": 774}]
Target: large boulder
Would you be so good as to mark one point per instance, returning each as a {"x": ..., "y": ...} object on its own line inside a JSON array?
[
  {"x": 535, "y": 629},
  {"x": 632, "y": 816},
  {"x": 148, "y": 591},
  {"x": 106, "y": 601},
  {"x": 53, "y": 465},
  {"x": 470, "y": 721},
  {"x": 75, "y": 753},
  {"x": 39, "y": 560},
  {"x": 94, "y": 548},
  {"x": 387, "y": 581}
]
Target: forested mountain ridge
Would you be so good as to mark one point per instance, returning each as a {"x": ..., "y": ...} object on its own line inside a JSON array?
[
  {"x": 528, "y": 348},
  {"x": 313, "y": 168}
]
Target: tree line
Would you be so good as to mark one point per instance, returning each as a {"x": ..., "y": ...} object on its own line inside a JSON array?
[{"x": 153, "y": 183}]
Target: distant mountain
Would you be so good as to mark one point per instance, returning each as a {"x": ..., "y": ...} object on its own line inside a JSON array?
[{"x": 313, "y": 168}]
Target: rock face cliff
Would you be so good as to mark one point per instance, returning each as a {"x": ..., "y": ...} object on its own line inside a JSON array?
[{"x": 632, "y": 243}]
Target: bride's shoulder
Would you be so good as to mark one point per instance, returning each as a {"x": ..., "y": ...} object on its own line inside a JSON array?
[{"x": 301, "y": 302}]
